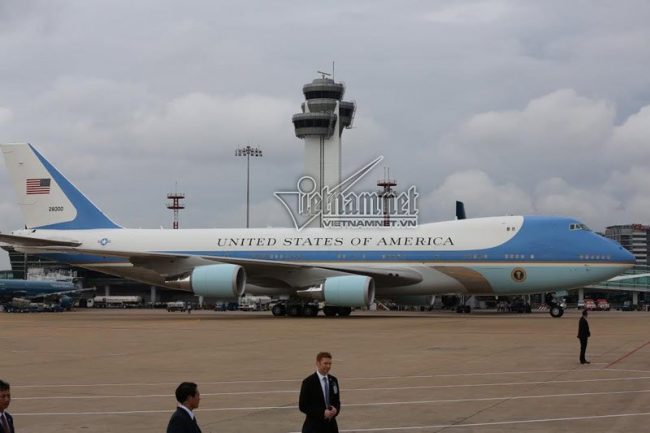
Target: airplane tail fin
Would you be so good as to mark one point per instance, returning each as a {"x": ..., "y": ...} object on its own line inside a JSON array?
[
  {"x": 460, "y": 210},
  {"x": 47, "y": 199}
]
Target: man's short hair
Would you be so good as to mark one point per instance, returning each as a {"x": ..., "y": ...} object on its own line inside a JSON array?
[
  {"x": 4, "y": 386},
  {"x": 185, "y": 390},
  {"x": 322, "y": 355},
  {"x": 584, "y": 312}
]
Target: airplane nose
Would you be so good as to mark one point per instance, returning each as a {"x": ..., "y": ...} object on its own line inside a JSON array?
[{"x": 622, "y": 255}]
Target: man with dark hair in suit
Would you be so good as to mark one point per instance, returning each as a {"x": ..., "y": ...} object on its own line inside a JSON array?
[
  {"x": 183, "y": 420},
  {"x": 320, "y": 398},
  {"x": 6, "y": 420},
  {"x": 583, "y": 335}
]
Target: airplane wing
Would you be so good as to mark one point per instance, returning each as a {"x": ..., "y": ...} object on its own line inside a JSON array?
[
  {"x": 25, "y": 241},
  {"x": 172, "y": 264}
]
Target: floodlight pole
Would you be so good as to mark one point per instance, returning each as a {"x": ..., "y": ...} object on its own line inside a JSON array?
[{"x": 248, "y": 151}]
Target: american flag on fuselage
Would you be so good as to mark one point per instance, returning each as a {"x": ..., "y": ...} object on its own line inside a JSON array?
[{"x": 37, "y": 186}]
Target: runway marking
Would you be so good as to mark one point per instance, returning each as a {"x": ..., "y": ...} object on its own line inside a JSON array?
[
  {"x": 295, "y": 391},
  {"x": 628, "y": 354},
  {"x": 388, "y": 403},
  {"x": 629, "y": 371},
  {"x": 496, "y": 423},
  {"x": 227, "y": 382}
]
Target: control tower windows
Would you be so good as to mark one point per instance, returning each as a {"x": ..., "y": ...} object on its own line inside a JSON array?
[
  {"x": 312, "y": 123},
  {"x": 323, "y": 94}
]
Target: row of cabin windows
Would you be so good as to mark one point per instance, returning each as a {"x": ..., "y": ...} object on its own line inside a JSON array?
[
  {"x": 400, "y": 256},
  {"x": 595, "y": 257},
  {"x": 518, "y": 256}
]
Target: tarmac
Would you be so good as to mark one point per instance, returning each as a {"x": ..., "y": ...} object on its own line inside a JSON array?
[{"x": 116, "y": 370}]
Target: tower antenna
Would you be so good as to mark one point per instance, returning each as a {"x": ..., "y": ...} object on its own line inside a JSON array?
[{"x": 325, "y": 74}]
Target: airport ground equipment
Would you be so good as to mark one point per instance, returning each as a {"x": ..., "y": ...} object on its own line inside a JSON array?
[{"x": 117, "y": 301}]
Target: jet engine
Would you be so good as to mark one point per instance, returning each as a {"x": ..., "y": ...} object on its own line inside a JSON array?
[
  {"x": 223, "y": 281},
  {"x": 344, "y": 291}
]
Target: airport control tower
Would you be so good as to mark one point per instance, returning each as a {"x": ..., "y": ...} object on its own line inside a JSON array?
[{"x": 324, "y": 115}]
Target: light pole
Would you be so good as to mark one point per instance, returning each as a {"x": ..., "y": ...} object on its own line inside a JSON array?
[{"x": 248, "y": 151}]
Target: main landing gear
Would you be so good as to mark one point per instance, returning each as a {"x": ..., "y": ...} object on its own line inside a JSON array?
[
  {"x": 292, "y": 309},
  {"x": 555, "y": 309},
  {"x": 461, "y": 308}
]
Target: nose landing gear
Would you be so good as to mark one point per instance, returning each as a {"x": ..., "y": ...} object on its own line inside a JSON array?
[{"x": 555, "y": 309}]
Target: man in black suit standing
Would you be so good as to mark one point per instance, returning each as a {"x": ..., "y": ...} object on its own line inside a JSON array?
[
  {"x": 583, "y": 335},
  {"x": 183, "y": 420},
  {"x": 6, "y": 420},
  {"x": 320, "y": 398}
]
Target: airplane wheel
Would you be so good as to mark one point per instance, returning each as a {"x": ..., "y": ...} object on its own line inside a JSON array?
[
  {"x": 278, "y": 310},
  {"x": 528, "y": 309},
  {"x": 345, "y": 311},
  {"x": 556, "y": 311},
  {"x": 294, "y": 310},
  {"x": 467, "y": 309},
  {"x": 330, "y": 311},
  {"x": 310, "y": 311}
]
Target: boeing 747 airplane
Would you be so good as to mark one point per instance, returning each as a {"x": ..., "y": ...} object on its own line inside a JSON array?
[{"x": 345, "y": 268}]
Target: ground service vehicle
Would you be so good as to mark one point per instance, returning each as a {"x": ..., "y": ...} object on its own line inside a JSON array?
[
  {"x": 590, "y": 305},
  {"x": 602, "y": 304},
  {"x": 176, "y": 306}
]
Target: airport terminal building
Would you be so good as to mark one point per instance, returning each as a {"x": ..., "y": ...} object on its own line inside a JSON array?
[{"x": 634, "y": 238}]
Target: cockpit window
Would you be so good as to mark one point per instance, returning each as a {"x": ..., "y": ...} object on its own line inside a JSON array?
[{"x": 578, "y": 226}]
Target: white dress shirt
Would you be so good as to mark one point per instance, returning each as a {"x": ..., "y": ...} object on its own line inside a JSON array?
[{"x": 191, "y": 414}]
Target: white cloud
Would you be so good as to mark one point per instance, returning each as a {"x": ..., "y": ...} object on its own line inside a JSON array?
[
  {"x": 481, "y": 194},
  {"x": 555, "y": 196},
  {"x": 470, "y": 12},
  {"x": 209, "y": 125},
  {"x": 6, "y": 115},
  {"x": 562, "y": 154},
  {"x": 635, "y": 179},
  {"x": 631, "y": 140},
  {"x": 631, "y": 187},
  {"x": 554, "y": 129}
]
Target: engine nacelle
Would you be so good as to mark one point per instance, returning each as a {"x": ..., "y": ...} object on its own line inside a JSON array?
[
  {"x": 349, "y": 291},
  {"x": 425, "y": 301},
  {"x": 223, "y": 281}
]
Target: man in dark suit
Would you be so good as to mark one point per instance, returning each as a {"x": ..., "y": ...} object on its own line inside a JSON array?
[
  {"x": 583, "y": 335},
  {"x": 6, "y": 420},
  {"x": 183, "y": 420},
  {"x": 320, "y": 398}
]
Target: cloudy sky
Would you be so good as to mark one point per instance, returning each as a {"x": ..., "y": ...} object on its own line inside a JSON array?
[{"x": 511, "y": 106}]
